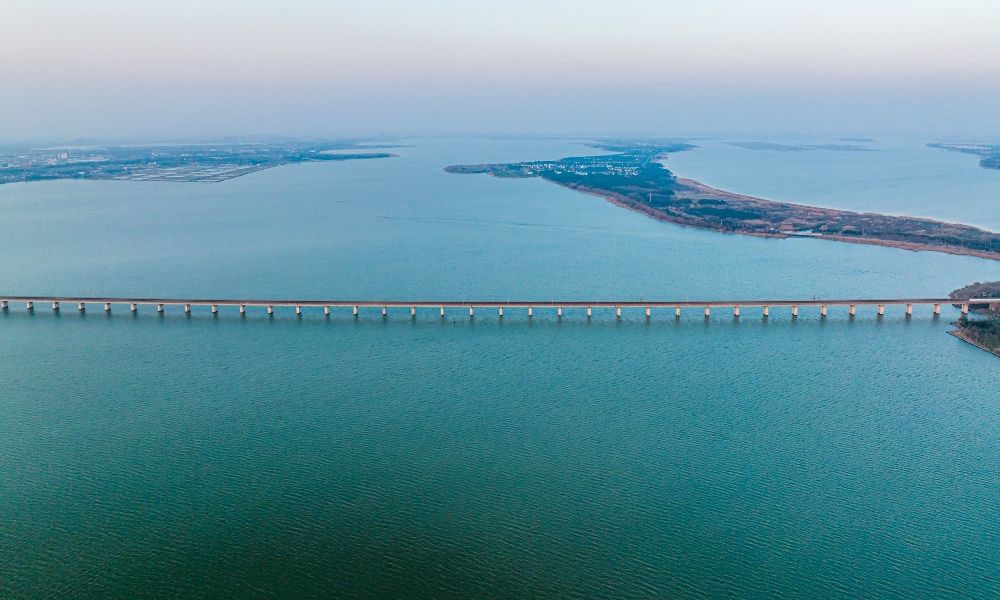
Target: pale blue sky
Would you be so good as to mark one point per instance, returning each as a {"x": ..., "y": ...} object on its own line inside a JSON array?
[{"x": 116, "y": 68}]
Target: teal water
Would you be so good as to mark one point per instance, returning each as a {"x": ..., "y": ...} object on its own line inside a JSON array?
[
  {"x": 222, "y": 456},
  {"x": 899, "y": 176}
]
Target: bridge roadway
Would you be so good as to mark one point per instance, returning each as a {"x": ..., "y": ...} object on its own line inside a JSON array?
[{"x": 500, "y": 305}]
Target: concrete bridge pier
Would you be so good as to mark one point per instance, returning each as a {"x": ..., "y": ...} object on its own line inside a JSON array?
[
  {"x": 500, "y": 311},
  {"x": 270, "y": 309},
  {"x": 413, "y": 312},
  {"x": 708, "y": 312},
  {"x": 881, "y": 309},
  {"x": 187, "y": 308},
  {"x": 215, "y": 309},
  {"x": 133, "y": 307},
  {"x": 384, "y": 310},
  {"x": 736, "y": 310},
  {"x": 355, "y": 310},
  {"x": 530, "y": 313},
  {"x": 965, "y": 308},
  {"x": 909, "y": 310},
  {"x": 243, "y": 309},
  {"x": 29, "y": 305},
  {"x": 822, "y": 310},
  {"x": 648, "y": 312},
  {"x": 677, "y": 312},
  {"x": 3, "y": 305},
  {"x": 442, "y": 311},
  {"x": 159, "y": 308},
  {"x": 80, "y": 306},
  {"x": 795, "y": 311},
  {"x": 559, "y": 312},
  {"x": 55, "y": 306},
  {"x": 852, "y": 310},
  {"x": 326, "y": 311},
  {"x": 589, "y": 312},
  {"x": 472, "y": 311},
  {"x": 767, "y": 311},
  {"x": 618, "y": 312},
  {"x": 937, "y": 309},
  {"x": 107, "y": 307}
]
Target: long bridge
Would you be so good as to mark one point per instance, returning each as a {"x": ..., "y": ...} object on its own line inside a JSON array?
[{"x": 765, "y": 305}]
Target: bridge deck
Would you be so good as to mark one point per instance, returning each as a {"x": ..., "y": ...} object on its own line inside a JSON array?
[{"x": 495, "y": 303}]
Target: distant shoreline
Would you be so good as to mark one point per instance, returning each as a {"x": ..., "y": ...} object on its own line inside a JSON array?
[
  {"x": 636, "y": 179},
  {"x": 624, "y": 202},
  {"x": 912, "y": 246},
  {"x": 208, "y": 163}
]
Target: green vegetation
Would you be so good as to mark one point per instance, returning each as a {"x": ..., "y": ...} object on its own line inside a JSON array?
[
  {"x": 988, "y": 289},
  {"x": 983, "y": 332},
  {"x": 634, "y": 177}
]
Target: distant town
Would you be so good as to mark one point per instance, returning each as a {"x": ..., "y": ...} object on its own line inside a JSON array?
[{"x": 168, "y": 162}]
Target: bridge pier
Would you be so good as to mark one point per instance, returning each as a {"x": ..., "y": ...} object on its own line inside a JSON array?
[{"x": 501, "y": 306}]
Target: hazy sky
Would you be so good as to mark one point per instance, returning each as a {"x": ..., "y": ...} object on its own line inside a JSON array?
[{"x": 116, "y": 68}]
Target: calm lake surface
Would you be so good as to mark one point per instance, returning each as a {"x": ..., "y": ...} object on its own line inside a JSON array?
[{"x": 223, "y": 456}]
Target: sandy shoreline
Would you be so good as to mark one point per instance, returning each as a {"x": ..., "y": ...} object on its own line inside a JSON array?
[{"x": 699, "y": 188}]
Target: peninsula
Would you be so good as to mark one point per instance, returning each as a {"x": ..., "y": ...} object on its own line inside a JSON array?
[
  {"x": 989, "y": 154},
  {"x": 633, "y": 177},
  {"x": 982, "y": 332},
  {"x": 173, "y": 162}
]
